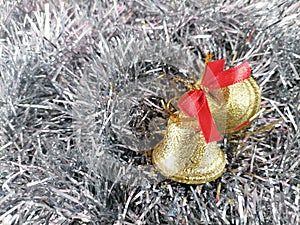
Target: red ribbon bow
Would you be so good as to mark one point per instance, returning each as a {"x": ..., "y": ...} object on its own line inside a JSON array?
[{"x": 194, "y": 103}]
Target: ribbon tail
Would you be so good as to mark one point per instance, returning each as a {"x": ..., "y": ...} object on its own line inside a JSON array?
[{"x": 206, "y": 122}]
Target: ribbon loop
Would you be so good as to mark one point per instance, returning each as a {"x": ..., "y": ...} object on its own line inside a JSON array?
[
  {"x": 215, "y": 77},
  {"x": 194, "y": 104}
]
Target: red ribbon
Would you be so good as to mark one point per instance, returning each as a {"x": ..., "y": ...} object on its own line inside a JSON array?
[{"x": 194, "y": 103}]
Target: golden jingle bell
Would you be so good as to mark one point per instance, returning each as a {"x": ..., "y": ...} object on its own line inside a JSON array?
[
  {"x": 241, "y": 103},
  {"x": 184, "y": 156}
]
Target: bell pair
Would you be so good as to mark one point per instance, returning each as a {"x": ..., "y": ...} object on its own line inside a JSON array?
[{"x": 184, "y": 155}]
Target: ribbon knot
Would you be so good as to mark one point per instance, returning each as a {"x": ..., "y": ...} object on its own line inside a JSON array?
[
  {"x": 203, "y": 88},
  {"x": 194, "y": 103}
]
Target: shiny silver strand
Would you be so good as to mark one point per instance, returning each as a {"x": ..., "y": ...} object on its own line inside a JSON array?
[{"x": 83, "y": 87}]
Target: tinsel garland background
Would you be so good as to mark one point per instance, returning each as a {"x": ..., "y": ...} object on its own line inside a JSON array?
[{"x": 81, "y": 87}]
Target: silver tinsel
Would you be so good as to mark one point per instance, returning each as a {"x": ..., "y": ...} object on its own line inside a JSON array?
[{"x": 82, "y": 88}]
